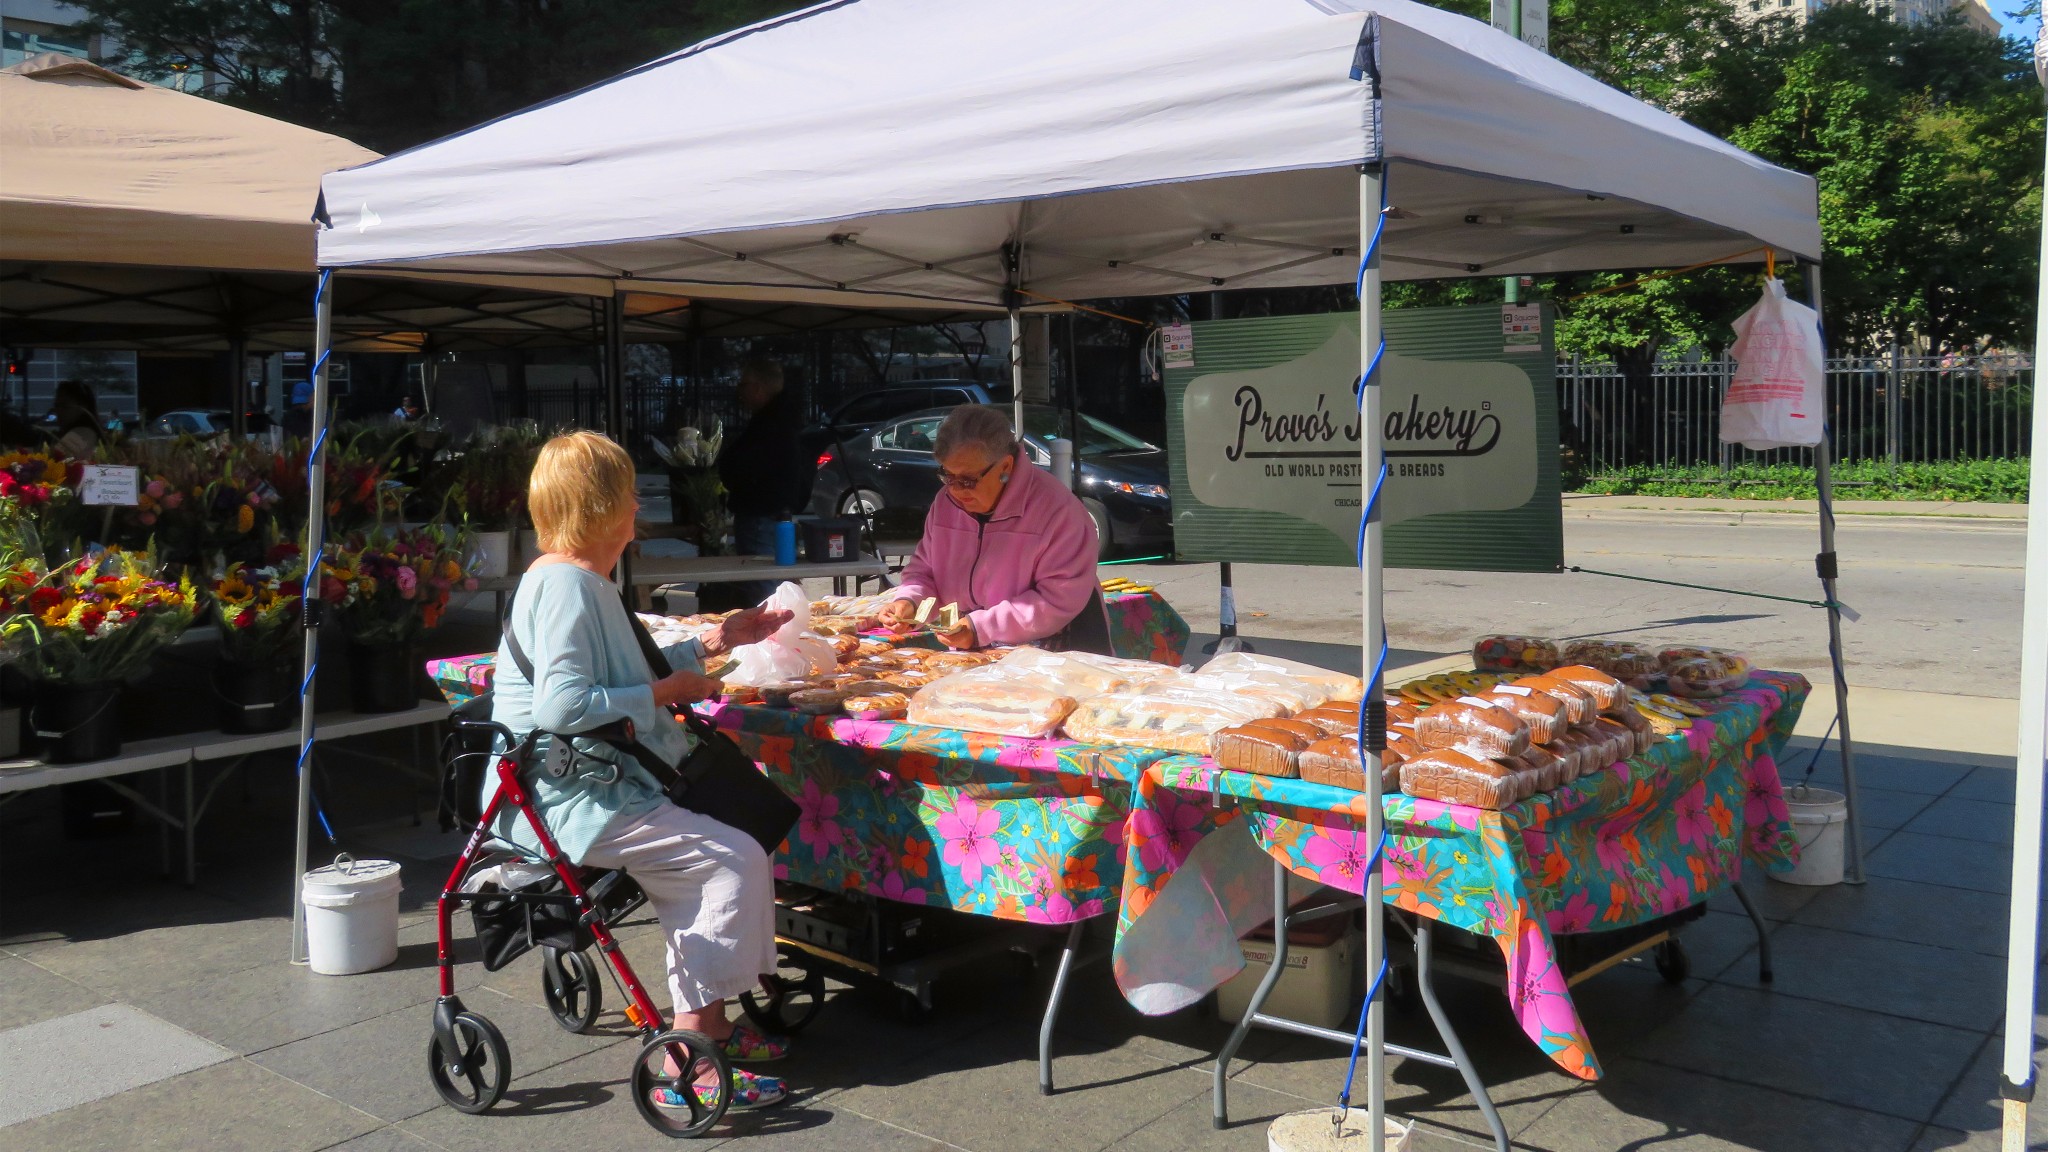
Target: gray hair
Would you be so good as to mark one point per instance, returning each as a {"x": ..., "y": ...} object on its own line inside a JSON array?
[{"x": 979, "y": 424}]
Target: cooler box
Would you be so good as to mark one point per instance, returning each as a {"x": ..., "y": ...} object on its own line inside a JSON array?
[
  {"x": 830, "y": 540},
  {"x": 1321, "y": 984}
]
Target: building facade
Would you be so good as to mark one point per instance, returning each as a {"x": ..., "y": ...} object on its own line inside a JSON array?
[{"x": 1974, "y": 12}]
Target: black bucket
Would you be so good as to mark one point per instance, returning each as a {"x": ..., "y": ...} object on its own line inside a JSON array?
[
  {"x": 380, "y": 678},
  {"x": 256, "y": 697},
  {"x": 76, "y": 723}
]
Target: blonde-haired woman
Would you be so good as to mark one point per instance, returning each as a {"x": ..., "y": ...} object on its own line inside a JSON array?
[{"x": 711, "y": 886}]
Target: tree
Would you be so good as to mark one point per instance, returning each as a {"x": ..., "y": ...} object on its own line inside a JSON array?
[{"x": 393, "y": 73}]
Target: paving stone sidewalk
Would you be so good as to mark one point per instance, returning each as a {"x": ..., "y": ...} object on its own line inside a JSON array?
[{"x": 138, "y": 1014}]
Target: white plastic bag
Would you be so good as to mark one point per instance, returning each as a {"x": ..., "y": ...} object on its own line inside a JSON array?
[
  {"x": 1778, "y": 398},
  {"x": 789, "y": 653}
]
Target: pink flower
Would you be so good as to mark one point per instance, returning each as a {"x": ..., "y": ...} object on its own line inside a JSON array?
[
  {"x": 174, "y": 499},
  {"x": 154, "y": 489},
  {"x": 895, "y": 888},
  {"x": 408, "y": 583},
  {"x": 1695, "y": 828},
  {"x": 969, "y": 834},
  {"x": 1541, "y": 1000},
  {"x": 1057, "y": 909},
  {"x": 1164, "y": 834},
  {"x": 1576, "y": 915},
  {"x": 1339, "y": 857},
  {"x": 255, "y": 500},
  {"x": 147, "y": 518},
  {"x": 817, "y": 826}
]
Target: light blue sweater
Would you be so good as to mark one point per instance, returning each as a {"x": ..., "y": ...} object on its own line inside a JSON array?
[{"x": 574, "y": 629}]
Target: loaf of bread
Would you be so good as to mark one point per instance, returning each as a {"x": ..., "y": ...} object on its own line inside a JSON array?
[
  {"x": 1578, "y": 751},
  {"x": 1637, "y": 724},
  {"x": 1333, "y": 719},
  {"x": 1622, "y": 741},
  {"x": 1082, "y": 674},
  {"x": 777, "y": 695},
  {"x": 989, "y": 700},
  {"x": 1606, "y": 691},
  {"x": 1548, "y": 768},
  {"x": 1579, "y": 708},
  {"x": 1543, "y": 713},
  {"x": 1707, "y": 676},
  {"x": 1475, "y": 727},
  {"x": 1336, "y": 761},
  {"x": 1263, "y": 746},
  {"x": 1455, "y": 778},
  {"x": 1327, "y": 685}
]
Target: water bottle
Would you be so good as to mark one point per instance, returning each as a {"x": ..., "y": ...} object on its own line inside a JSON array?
[{"x": 785, "y": 541}]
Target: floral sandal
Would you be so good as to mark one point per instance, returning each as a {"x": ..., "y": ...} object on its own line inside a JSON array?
[
  {"x": 750, "y": 1045},
  {"x": 749, "y": 1091}
]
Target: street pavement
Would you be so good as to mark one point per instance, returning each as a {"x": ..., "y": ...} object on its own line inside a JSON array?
[{"x": 1938, "y": 595}]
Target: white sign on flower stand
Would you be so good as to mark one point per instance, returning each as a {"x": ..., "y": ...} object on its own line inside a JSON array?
[{"x": 111, "y": 485}]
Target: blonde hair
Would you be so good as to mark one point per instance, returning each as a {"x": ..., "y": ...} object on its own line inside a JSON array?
[{"x": 581, "y": 483}]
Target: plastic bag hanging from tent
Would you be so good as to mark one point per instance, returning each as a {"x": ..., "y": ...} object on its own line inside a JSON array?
[{"x": 1778, "y": 398}]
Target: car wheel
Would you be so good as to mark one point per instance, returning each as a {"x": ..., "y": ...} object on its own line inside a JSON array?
[
  {"x": 861, "y": 503},
  {"x": 1103, "y": 538}
]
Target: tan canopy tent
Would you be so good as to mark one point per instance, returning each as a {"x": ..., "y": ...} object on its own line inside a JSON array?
[{"x": 134, "y": 216}]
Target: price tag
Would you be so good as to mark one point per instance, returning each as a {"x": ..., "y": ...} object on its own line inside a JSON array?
[{"x": 116, "y": 485}]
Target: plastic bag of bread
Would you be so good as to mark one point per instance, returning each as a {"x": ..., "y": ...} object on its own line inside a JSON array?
[
  {"x": 1708, "y": 676},
  {"x": 1620, "y": 737},
  {"x": 1515, "y": 654},
  {"x": 1547, "y": 770},
  {"x": 1288, "y": 694},
  {"x": 1579, "y": 706},
  {"x": 1618, "y": 658},
  {"x": 1334, "y": 718},
  {"x": 1475, "y": 727},
  {"x": 1638, "y": 725},
  {"x": 1579, "y": 751},
  {"x": 1080, "y": 674},
  {"x": 1453, "y": 777},
  {"x": 990, "y": 700},
  {"x": 1607, "y": 691},
  {"x": 1543, "y": 713},
  {"x": 1334, "y": 685},
  {"x": 1267, "y": 747},
  {"x": 877, "y": 706},
  {"x": 1336, "y": 761},
  {"x": 1169, "y": 716}
]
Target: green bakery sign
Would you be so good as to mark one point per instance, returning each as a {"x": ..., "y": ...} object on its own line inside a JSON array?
[{"x": 1264, "y": 432}]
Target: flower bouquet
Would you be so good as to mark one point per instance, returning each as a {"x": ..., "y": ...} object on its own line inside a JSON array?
[
  {"x": 82, "y": 629},
  {"x": 385, "y": 588},
  {"x": 696, "y": 495},
  {"x": 257, "y": 610},
  {"x": 37, "y": 489}
]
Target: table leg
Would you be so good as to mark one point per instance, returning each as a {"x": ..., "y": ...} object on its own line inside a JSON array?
[
  {"x": 1426, "y": 985},
  {"x": 1052, "y": 1006},
  {"x": 1219, "y": 1100},
  {"x": 163, "y": 827},
  {"x": 191, "y": 833},
  {"x": 1763, "y": 936}
]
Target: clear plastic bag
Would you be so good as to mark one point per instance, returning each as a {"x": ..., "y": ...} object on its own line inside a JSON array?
[
  {"x": 1475, "y": 727},
  {"x": 1708, "y": 675},
  {"x": 991, "y": 699},
  {"x": 1177, "y": 718},
  {"x": 1334, "y": 685},
  {"x": 1501, "y": 653},
  {"x": 789, "y": 653},
  {"x": 1082, "y": 673}
]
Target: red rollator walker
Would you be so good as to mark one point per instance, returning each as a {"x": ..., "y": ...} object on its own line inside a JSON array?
[{"x": 564, "y": 913}]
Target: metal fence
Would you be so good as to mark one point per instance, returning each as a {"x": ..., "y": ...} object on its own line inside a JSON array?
[{"x": 1894, "y": 408}]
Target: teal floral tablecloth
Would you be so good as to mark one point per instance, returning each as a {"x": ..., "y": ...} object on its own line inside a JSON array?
[{"x": 1639, "y": 840}]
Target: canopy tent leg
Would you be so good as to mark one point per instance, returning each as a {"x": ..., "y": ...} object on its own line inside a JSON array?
[
  {"x": 1827, "y": 566},
  {"x": 2016, "y": 1062},
  {"x": 1017, "y": 372},
  {"x": 615, "y": 411},
  {"x": 309, "y": 603},
  {"x": 238, "y": 385},
  {"x": 1371, "y": 201}
]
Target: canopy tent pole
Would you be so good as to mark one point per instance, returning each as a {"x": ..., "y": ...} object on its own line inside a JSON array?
[
  {"x": 1373, "y": 722},
  {"x": 1017, "y": 371},
  {"x": 614, "y": 361},
  {"x": 310, "y": 605},
  {"x": 1828, "y": 567},
  {"x": 238, "y": 384},
  {"x": 2016, "y": 1064}
]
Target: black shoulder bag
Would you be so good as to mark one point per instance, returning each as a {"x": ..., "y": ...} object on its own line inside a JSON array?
[{"x": 716, "y": 779}]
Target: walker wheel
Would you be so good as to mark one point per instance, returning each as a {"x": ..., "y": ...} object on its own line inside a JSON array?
[
  {"x": 569, "y": 983},
  {"x": 792, "y": 997},
  {"x": 674, "y": 1063},
  {"x": 1672, "y": 962},
  {"x": 475, "y": 1075}
]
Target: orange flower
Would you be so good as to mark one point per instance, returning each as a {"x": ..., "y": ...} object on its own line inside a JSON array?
[{"x": 1077, "y": 874}]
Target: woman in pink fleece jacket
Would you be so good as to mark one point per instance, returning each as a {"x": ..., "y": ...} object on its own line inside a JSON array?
[{"x": 1005, "y": 541}]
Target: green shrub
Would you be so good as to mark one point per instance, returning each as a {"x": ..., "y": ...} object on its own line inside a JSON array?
[{"x": 1985, "y": 481}]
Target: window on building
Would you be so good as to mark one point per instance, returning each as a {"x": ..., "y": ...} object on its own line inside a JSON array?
[{"x": 21, "y": 39}]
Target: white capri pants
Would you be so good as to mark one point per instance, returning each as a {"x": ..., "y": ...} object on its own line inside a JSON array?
[{"x": 713, "y": 889}]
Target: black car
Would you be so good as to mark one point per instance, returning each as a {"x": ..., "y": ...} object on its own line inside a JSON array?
[
  {"x": 859, "y": 415},
  {"x": 1123, "y": 479}
]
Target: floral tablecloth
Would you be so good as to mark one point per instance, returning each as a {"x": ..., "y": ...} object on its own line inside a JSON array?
[
  {"x": 1639, "y": 840},
  {"x": 1143, "y": 626}
]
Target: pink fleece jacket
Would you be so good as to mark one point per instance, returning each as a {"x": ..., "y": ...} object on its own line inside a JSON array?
[{"x": 1022, "y": 575}]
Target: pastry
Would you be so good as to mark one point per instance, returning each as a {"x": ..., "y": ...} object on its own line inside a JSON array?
[
  {"x": 1706, "y": 677},
  {"x": 1617, "y": 658},
  {"x": 817, "y": 701},
  {"x": 878, "y": 706},
  {"x": 1515, "y": 654},
  {"x": 979, "y": 701},
  {"x": 1543, "y": 713},
  {"x": 1605, "y": 690},
  {"x": 1173, "y": 718},
  {"x": 777, "y": 695}
]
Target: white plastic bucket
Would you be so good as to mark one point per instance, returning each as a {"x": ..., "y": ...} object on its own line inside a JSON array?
[
  {"x": 351, "y": 915},
  {"x": 493, "y": 554},
  {"x": 1819, "y": 819}
]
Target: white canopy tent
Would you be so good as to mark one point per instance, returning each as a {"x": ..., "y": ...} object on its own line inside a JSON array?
[{"x": 1020, "y": 152}]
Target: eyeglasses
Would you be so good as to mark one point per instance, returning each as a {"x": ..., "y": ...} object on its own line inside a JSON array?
[{"x": 963, "y": 482}]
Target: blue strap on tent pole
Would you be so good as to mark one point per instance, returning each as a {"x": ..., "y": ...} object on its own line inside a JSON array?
[
  {"x": 316, "y": 540},
  {"x": 1375, "y": 683}
]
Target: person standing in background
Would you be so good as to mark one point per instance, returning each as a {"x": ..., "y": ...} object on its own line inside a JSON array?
[
  {"x": 78, "y": 419},
  {"x": 298, "y": 419},
  {"x": 764, "y": 471}
]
